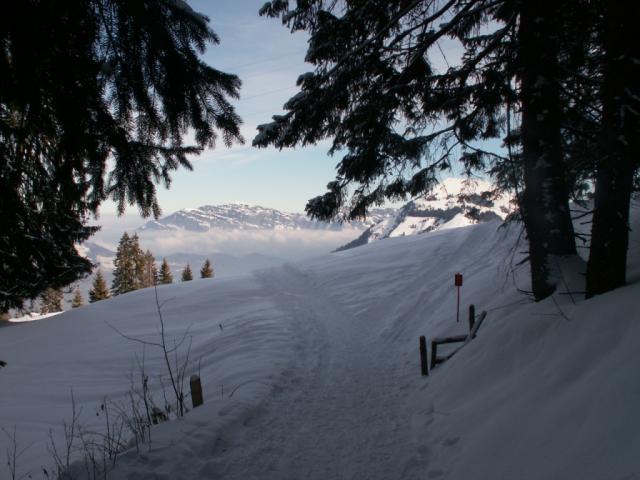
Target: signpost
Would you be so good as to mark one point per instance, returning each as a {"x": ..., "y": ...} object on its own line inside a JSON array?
[{"x": 457, "y": 281}]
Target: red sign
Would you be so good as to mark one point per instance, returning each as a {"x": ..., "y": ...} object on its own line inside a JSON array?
[{"x": 458, "y": 280}]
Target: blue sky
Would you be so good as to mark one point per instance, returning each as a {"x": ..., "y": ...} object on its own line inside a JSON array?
[{"x": 268, "y": 60}]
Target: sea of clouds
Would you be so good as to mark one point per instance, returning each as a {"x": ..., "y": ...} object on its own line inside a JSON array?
[{"x": 285, "y": 244}]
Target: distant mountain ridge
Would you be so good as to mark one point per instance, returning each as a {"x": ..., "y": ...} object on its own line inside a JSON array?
[
  {"x": 248, "y": 217},
  {"x": 455, "y": 202}
]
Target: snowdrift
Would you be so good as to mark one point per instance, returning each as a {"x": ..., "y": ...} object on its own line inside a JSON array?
[{"x": 322, "y": 360}]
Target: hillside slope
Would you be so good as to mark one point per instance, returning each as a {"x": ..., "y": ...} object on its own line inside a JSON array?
[{"x": 311, "y": 370}]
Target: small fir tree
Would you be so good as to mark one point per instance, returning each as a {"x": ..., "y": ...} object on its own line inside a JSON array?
[
  {"x": 187, "y": 274},
  {"x": 134, "y": 269},
  {"x": 207, "y": 270},
  {"x": 140, "y": 261},
  {"x": 51, "y": 300},
  {"x": 99, "y": 290},
  {"x": 125, "y": 272},
  {"x": 165, "y": 273},
  {"x": 77, "y": 300}
]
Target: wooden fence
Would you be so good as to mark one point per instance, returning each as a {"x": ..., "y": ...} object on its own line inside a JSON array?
[{"x": 474, "y": 326}]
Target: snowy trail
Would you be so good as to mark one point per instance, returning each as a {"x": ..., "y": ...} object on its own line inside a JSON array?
[{"x": 336, "y": 417}]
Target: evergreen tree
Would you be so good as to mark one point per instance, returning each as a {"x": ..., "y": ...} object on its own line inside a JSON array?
[
  {"x": 207, "y": 270},
  {"x": 187, "y": 274},
  {"x": 86, "y": 82},
  {"x": 134, "y": 268},
  {"x": 166, "y": 276},
  {"x": 51, "y": 301},
  {"x": 619, "y": 159},
  {"x": 125, "y": 273},
  {"x": 77, "y": 300},
  {"x": 150, "y": 272},
  {"x": 99, "y": 290},
  {"x": 376, "y": 92},
  {"x": 146, "y": 270},
  {"x": 137, "y": 255},
  {"x": 544, "y": 204}
]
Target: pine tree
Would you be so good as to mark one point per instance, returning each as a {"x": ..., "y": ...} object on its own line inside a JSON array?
[
  {"x": 77, "y": 300},
  {"x": 126, "y": 263},
  {"x": 187, "y": 274},
  {"x": 374, "y": 72},
  {"x": 134, "y": 268},
  {"x": 619, "y": 159},
  {"x": 99, "y": 290},
  {"x": 101, "y": 88},
  {"x": 147, "y": 271},
  {"x": 152, "y": 269},
  {"x": 207, "y": 270},
  {"x": 51, "y": 301},
  {"x": 139, "y": 260},
  {"x": 166, "y": 276},
  {"x": 544, "y": 203},
  {"x": 559, "y": 83}
]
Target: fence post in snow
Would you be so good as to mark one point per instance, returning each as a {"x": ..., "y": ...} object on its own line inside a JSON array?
[
  {"x": 472, "y": 316},
  {"x": 423, "y": 356},
  {"x": 196, "y": 391}
]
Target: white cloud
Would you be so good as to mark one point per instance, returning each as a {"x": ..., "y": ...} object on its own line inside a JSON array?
[{"x": 287, "y": 244}]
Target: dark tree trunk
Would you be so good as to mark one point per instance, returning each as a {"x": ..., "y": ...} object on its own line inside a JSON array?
[
  {"x": 544, "y": 202},
  {"x": 620, "y": 155}
]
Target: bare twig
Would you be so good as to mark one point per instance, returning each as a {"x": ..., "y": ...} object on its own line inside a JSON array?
[
  {"x": 177, "y": 370},
  {"x": 13, "y": 455}
]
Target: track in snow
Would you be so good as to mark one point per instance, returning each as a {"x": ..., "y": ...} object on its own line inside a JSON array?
[{"x": 335, "y": 417}]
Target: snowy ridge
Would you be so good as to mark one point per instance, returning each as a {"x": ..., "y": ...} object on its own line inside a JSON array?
[
  {"x": 245, "y": 217},
  {"x": 454, "y": 203}
]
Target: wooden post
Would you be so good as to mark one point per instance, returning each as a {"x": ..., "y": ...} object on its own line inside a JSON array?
[
  {"x": 458, "y": 283},
  {"x": 196, "y": 391},
  {"x": 424, "y": 368},
  {"x": 434, "y": 353},
  {"x": 472, "y": 316}
]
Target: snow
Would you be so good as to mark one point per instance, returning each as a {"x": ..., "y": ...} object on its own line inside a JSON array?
[
  {"x": 322, "y": 359},
  {"x": 456, "y": 222},
  {"x": 453, "y": 203},
  {"x": 32, "y": 317},
  {"x": 412, "y": 224}
]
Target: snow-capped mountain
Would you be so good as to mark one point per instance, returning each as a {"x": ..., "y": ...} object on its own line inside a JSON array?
[
  {"x": 246, "y": 217},
  {"x": 455, "y": 202}
]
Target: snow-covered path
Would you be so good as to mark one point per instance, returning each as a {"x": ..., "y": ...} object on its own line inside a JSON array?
[{"x": 336, "y": 417}]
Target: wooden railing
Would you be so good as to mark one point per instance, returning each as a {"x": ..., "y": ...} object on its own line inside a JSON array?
[{"x": 474, "y": 326}]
